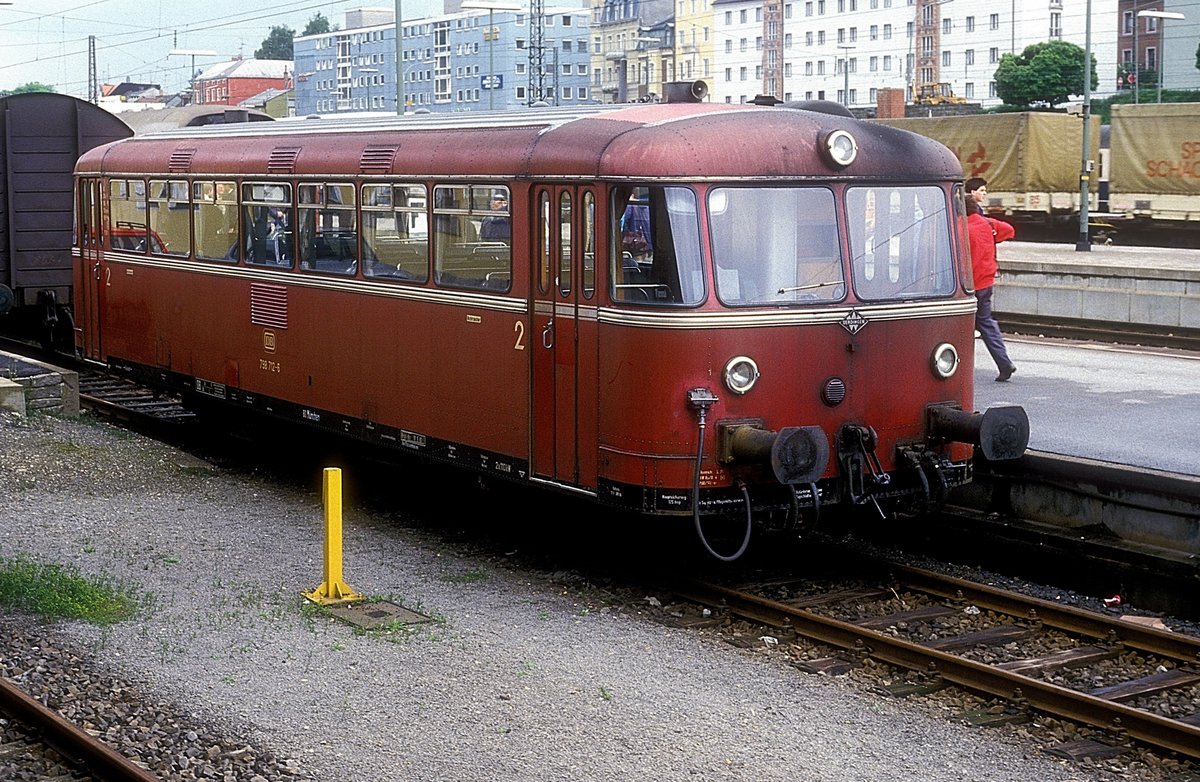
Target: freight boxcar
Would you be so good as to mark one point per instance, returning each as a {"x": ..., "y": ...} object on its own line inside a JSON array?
[{"x": 41, "y": 137}]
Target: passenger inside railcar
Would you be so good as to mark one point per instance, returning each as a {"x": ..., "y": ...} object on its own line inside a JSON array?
[
  {"x": 497, "y": 227},
  {"x": 267, "y": 224}
]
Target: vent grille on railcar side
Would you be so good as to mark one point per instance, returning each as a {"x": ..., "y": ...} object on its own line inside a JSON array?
[
  {"x": 181, "y": 160},
  {"x": 377, "y": 160},
  {"x": 268, "y": 305},
  {"x": 283, "y": 160}
]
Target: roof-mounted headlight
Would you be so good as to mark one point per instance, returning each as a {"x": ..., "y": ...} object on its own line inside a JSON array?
[
  {"x": 839, "y": 147},
  {"x": 945, "y": 360},
  {"x": 741, "y": 373}
]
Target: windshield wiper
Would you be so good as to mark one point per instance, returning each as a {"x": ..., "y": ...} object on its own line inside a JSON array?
[{"x": 810, "y": 286}]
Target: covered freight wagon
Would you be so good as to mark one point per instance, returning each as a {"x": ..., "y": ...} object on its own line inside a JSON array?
[
  {"x": 1155, "y": 175},
  {"x": 42, "y": 134},
  {"x": 1030, "y": 159}
]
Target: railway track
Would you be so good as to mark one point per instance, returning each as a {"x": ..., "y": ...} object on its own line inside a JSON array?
[
  {"x": 37, "y": 744},
  {"x": 1131, "y": 682},
  {"x": 122, "y": 398},
  {"x": 1146, "y": 335}
]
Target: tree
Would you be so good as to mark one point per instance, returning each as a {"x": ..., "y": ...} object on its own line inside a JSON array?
[
  {"x": 277, "y": 45},
  {"x": 316, "y": 25},
  {"x": 29, "y": 86},
  {"x": 1045, "y": 73}
]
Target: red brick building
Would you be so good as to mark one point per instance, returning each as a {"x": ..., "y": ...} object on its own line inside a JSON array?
[{"x": 232, "y": 82}]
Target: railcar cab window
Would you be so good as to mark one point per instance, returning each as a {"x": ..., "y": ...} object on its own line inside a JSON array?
[
  {"x": 794, "y": 257},
  {"x": 900, "y": 242},
  {"x": 267, "y": 234},
  {"x": 127, "y": 229},
  {"x": 395, "y": 232},
  {"x": 215, "y": 220},
  {"x": 328, "y": 230},
  {"x": 655, "y": 241},
  {"x": 170, "y": 210},
  {"x": 462, "y": 258}
]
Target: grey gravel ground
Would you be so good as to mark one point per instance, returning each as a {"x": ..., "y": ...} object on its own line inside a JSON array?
[{"x": 514, "y": 679}]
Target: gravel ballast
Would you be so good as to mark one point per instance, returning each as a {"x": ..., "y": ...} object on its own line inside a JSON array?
[{"x": 514, "y": 678}]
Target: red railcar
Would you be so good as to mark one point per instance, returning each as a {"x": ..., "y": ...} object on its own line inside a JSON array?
[{"x": 681, "y": 309}]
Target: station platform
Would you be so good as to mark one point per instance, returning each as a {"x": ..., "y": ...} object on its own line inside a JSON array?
[
  {"x": 1138, "y": 407},
  {"x": 1156, "y": 286}
]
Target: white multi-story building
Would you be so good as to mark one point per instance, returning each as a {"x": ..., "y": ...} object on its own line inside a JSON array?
[{"x": 834, "y": 46}]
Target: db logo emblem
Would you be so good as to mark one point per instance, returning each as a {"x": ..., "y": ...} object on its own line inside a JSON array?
[{"x": 268, "y": 340}]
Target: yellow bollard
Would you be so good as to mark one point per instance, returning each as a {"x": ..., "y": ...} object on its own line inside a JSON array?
[{"x": 333, "y": 590}]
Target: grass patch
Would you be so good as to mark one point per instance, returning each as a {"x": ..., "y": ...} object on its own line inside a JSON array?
[
  {"x": 468, "y": 577},
  {"x": 59, "y": 592}
]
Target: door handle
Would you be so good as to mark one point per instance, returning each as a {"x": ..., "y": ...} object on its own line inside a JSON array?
[{"x": 548, "y": 334}]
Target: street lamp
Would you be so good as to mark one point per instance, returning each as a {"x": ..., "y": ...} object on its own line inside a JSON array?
[
  {"x": 194, "y": 53},
  {"x": 369, "y": 74},
  {"x": 1162, "y": 37},
  {"x": 846, "y": 73},
  {"x": 491, "y": 7}
]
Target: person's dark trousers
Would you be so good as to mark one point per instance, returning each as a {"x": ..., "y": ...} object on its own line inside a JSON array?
[{"x": 989, "y": 330}]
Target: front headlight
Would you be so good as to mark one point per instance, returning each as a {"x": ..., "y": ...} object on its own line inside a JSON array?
[
  {"x": 945, "y": 360},
  {"x": 741, "y": 373},
  {"x": 840, "y": 148}
]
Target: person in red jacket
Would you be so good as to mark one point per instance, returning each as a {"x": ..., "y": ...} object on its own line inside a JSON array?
[{"x": 984, "y": 233}]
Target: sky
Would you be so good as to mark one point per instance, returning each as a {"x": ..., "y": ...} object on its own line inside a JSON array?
[{"x": 47, "y": 40}]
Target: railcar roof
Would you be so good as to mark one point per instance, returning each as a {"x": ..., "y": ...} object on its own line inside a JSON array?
[{"x": 675, "y": 141}]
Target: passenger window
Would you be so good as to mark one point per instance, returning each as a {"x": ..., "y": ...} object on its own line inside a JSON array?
[
  {"x": 655, "y": 246},
  {"x": 127, "y": 229},
  {"x": 462, "y": 258},
  {"x": 395, "y": 232},
  {"x": 328, "y": 231},
  {"x": 170, "y": 226},
  {"x": 215, "y": 220},
  {"x": 267, "y": 232}
]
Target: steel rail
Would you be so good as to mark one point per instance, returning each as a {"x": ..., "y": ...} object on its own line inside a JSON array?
[
  {"x": 1149, "y": 728},
  {"x": 77, "y": 746},
  {"x": 1062, "y": 617}
]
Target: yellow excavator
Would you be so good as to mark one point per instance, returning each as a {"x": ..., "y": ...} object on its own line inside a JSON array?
[{"x": 935, "y": 94}]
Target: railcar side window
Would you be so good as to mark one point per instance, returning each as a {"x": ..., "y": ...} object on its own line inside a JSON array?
[
  {"x": 792, "y": 258},
  {"x": 170, "y": 212},
  {"x": 127, "y": 229},
  {"x": 655, "y": 241},
  {"x": 267, "y": 233},
  {"x": 395, "y": 232},
  {"x": 215, "y": 220},
  {"x": 472, "y": 232},
  {"x": 900, "y": 242},
  {"x": 327, "y": 230}
]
